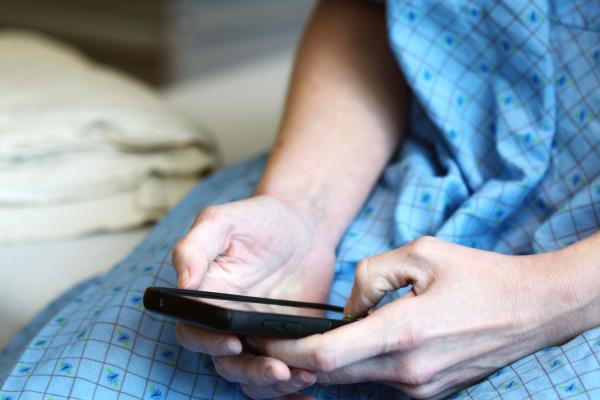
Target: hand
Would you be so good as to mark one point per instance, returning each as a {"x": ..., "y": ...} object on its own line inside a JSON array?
[
  {"x": 469, "y": 313},
  {"x": 261, "y": 247}
]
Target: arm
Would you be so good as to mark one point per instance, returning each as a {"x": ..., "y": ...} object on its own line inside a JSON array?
[
  {"x": 344, "y": 116},
  {"x": 345, "y": 113},
  {"x": 483, "y": 311}
]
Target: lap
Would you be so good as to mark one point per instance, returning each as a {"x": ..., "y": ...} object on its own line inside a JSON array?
[{"x": 101, "y": 343}]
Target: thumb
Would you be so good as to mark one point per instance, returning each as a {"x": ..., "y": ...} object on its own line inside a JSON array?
[
  {"x": 377, "y": 275},
  {"x": 207, "y": 238}
]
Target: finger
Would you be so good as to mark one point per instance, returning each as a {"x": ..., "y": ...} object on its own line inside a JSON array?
[
  {"x": 379, "y": 333},
  {"x": 250, "y": 369},
  {"x": 300, "y": 379},
  {"x": 447, "y": 384},
  {"x": 206, "y": 239},
  {"x": 392, "y": 370},
  {"x": 203, "y": 341},
  {"x": 381, "y": 368},
  {"x": 379, "y": 274}
]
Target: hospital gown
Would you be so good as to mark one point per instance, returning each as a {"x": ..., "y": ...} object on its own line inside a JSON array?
[{"x": 502, "y": 153}]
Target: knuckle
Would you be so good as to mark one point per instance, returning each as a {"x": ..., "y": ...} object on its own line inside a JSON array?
[
  {"x": 362, "y": 272},
  {"x": 209, "y": 213},
  {"x": 210, "y": 348},
  {"x": 418, "y": 247},
  {"x": 424, "y": 243},
  {"x": 418, "y": 373},
  {"x": 323, "y": 360},
  {"x": 178, "y": 254}
]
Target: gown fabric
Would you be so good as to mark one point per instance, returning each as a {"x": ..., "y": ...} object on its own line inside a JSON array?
[{"x": 502, "y": 154}]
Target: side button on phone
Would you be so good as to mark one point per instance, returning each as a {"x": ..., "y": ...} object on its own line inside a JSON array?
[
  {"x": 280, "y": 326},
  {"x": 273, "y": 325}
]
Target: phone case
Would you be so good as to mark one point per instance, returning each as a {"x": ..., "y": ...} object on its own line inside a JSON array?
[{"x": 171, "y": 302}]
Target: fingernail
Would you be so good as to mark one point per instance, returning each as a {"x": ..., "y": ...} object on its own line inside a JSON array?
[
  {"x": 300, "y": 379},
  {"x": 305, "y": 378},
  {"x": 230, "y": 346},
  {"x": 183, "y": 277},
  {"x": 297, "y": 381}
]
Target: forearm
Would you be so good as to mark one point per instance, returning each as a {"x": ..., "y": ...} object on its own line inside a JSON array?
[{"x": 345, "y": 112}]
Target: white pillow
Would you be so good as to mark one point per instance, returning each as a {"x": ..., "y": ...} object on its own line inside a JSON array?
[{"x": 84, "y": 148}]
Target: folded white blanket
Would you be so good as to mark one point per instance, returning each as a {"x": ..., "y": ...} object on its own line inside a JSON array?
[{"x": 84, "y": 148}]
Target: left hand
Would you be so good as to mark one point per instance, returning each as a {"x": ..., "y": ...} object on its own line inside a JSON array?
[{"x": 470, "y": 312}]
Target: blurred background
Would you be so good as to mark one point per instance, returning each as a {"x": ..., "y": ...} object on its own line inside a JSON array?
[{"x": 132, "y": 83}]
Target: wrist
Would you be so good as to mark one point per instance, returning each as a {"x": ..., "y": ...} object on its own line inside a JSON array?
[
  {"x": 580, "y": 271},
  {"x": 568, "y": 303},
  {"x": 313, "y": 194},
  {"x": 309, "y": 210}
]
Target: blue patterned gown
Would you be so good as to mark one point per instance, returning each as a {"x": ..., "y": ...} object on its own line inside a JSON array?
[{"x": 503, "y": 154}]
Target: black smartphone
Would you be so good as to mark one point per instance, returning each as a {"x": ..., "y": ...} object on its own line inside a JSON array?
[{"x": 229, "y": 313}]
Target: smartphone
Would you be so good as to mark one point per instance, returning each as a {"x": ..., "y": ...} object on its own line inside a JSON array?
[{"x": 229, "y": 313}]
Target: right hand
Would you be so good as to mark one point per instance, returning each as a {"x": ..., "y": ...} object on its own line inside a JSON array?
[{"x": 263, "y": 247}]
